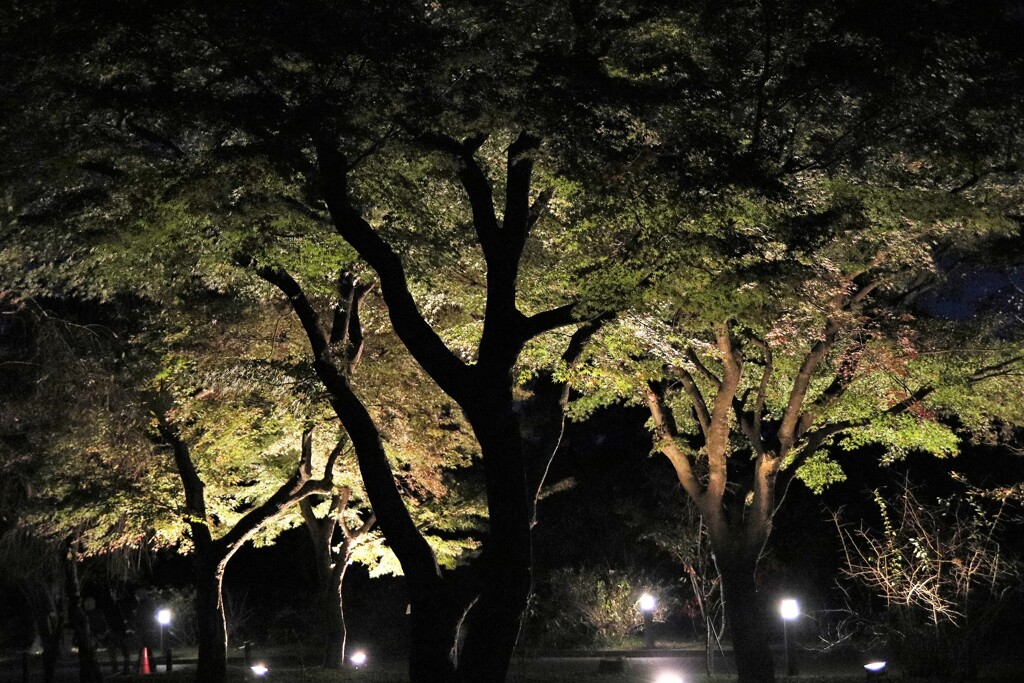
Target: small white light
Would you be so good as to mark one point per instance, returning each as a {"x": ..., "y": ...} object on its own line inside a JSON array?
[
  {"x": 164, "y": 617},
  {"x": 259, "y": 669},
  {"x": 669, "y": 677},
  {"x": 647, "y": 602},
  {"x": 358, "y": 658},
  {"x": 874, "y": 667},
  {"x": 789, "y": 609}
]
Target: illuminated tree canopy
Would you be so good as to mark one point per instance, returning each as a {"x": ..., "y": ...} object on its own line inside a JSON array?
[{"x": 739, "y": 216}]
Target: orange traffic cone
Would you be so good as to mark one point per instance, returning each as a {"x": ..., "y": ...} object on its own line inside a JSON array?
[{"x": 144, "y": 661}]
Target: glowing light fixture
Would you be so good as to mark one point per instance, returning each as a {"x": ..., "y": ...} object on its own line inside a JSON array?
[
  {"x": 874, "y": 667},
  {"x": 358, "y": 658},
  {"x": 668, "y": 677},
  {"x": 259, "y": 669},
  {"x": 789, "y": 609},
  {"x": 163, "y": 617},
  {"x": 647, "y": 603}
]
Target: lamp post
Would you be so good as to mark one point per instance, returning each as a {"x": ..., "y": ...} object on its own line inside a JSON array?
[
  {"x": 647, "y": 604},
  {"x": 789, "y": 609},
  {"x": 163, "y": 617}
]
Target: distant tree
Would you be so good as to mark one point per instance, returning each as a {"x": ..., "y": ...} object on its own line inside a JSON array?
[
  {"x": 211, "y": 554},
  {"x": 95, "y": 487},
  {"x": 808, "y": 194},
  {"x": 831, "y": 360},
  {"x": 68, "y": 450},
  {"x": 31, "y": 568},
  {"x": 334, "y": 543}
]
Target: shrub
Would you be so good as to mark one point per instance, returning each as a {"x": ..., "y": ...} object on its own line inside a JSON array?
[{"x": 594, "y": 607}]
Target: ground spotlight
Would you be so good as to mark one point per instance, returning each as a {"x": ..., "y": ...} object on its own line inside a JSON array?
[
  {"x": 875, "y": 668},
  {"x": 259, "y": 669},
  {"x": 668, "y": 677},
  {"x": 358, "y": 658}
]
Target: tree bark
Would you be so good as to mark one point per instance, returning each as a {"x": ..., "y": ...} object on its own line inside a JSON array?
[
  {"x": 433, "y": 624},
  {"x": 335, "y": 630},
  {"x": 211, "y": 666},
  {"x": 745, "y": 615},
  {"x": 435, "y": 615},
  {"x": 506, "y": 562},
  {"x": 332, "y": 563}
]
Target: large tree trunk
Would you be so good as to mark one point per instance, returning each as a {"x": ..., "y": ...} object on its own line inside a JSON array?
[
  {"x": 211, "y": 666},
  {"x": 334, "y": 616},
  {"x": 435, "y": 613},
  {"x": 506, "y": 563},
  {"x": 330, "y": 579},
  {"x": 745, "y": 616}
]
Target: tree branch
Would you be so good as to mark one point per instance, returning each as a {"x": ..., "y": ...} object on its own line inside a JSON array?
[
  {"x": 666, "y": 433},
  {"x": 703, "y": 369},
  {"x": 791, "y": 414},
  {"x": 539, "y": 207},
  {"x": 994, "y": 370},
  {"x": 700, "y": 407},
  {"x": 717, "y": 441},
  {"x": 423, "y": 342},
  {"x": 307, "y": 315},
  {"x": 847, "y": 368},
  {"x": 574, "y": 349},
  {"x": 518, "y": 176},
  {"x": 815, "y": 439},
  {"x": 195, "y": 497},
  {"x": 413, "y": 551},
  {"x": 474, "y": 181},
  {"x": 347, "y": 329},
  {"x": 548, "y": 320},
  {"x": 298, "y": 486}
]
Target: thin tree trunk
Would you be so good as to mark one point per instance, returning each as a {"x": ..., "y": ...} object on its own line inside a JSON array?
[
  {"x": 88, "y": 667},
  {"x": 211, "y": 556},
  {"x": 50, "y": 626},
  {"x": 47, "y": 622}
]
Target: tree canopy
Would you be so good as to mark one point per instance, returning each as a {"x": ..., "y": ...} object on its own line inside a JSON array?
[{"x": 743, "y": 211}]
